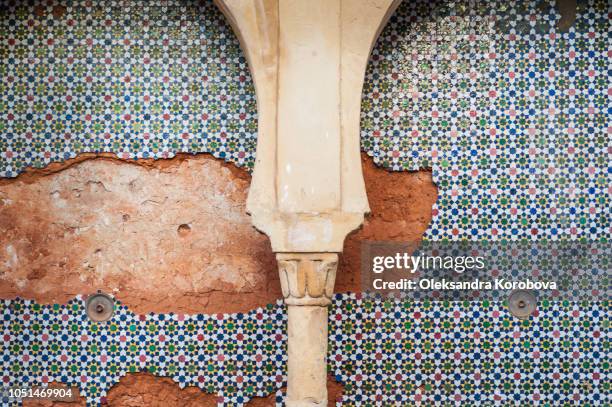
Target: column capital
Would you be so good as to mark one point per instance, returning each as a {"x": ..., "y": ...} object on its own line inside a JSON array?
[{"x": 307, "y": 278}]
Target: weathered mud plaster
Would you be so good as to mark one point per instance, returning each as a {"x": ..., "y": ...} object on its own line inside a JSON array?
[
  {"x": 401, "y": 211},
  {"x": 156, "y": 234},
  {"x": 308, "y": 60}
]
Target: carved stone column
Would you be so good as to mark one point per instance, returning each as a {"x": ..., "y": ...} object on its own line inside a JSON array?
[
  {"x": 307, "y": 281},
  {"x": 308, "y": 61}
]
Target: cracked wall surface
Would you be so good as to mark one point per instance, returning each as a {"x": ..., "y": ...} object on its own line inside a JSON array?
[
  {"x": 160, "y": 199},
  {"x": 169, "y": 237},
  {"x": 142, "y": 389},
  {"x": 427, "y": 102},
  {"x": 400, "y": 210}
]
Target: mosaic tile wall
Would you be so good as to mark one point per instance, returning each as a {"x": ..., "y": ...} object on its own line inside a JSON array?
[
  {"x": 510, "y": 108},
  {"x": 236, "y": 356},
  {"x": 402, "y": 353},
  {"x": 138, "y": 79},
  {"x": 512, "y": 114},
  {"x": 385, "y": 352}
]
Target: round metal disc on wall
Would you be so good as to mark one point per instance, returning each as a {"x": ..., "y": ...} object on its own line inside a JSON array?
[
  {"x": 522, "y": 303},
  {"x": 100, "y": 307}
]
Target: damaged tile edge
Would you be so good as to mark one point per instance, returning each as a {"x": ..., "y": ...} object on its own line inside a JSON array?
[{"x": 32, "y": 174}]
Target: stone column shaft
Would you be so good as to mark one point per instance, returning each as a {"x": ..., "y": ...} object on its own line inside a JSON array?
[{"x": 307, "y": 356}]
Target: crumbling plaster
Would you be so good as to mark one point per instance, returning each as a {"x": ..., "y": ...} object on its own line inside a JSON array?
[
  {"x": 40, "y": 246},
  {"x": 160, "y": 236},
  {"x": 306, "y": 207}
]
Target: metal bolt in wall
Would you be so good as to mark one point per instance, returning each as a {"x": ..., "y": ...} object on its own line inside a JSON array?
[
  {"x": 522, "y": 303},
  {"x": 99, "y": 307}
]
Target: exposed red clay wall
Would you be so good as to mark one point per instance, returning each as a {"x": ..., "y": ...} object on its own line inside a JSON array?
[
  {"x": 400, "y": 210},
  {"x": 169, "y": 236},
  {"x": 143, "y": 389},
  {"x": 98, "y": 222},
  {"x": 161, "y": 236}
]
